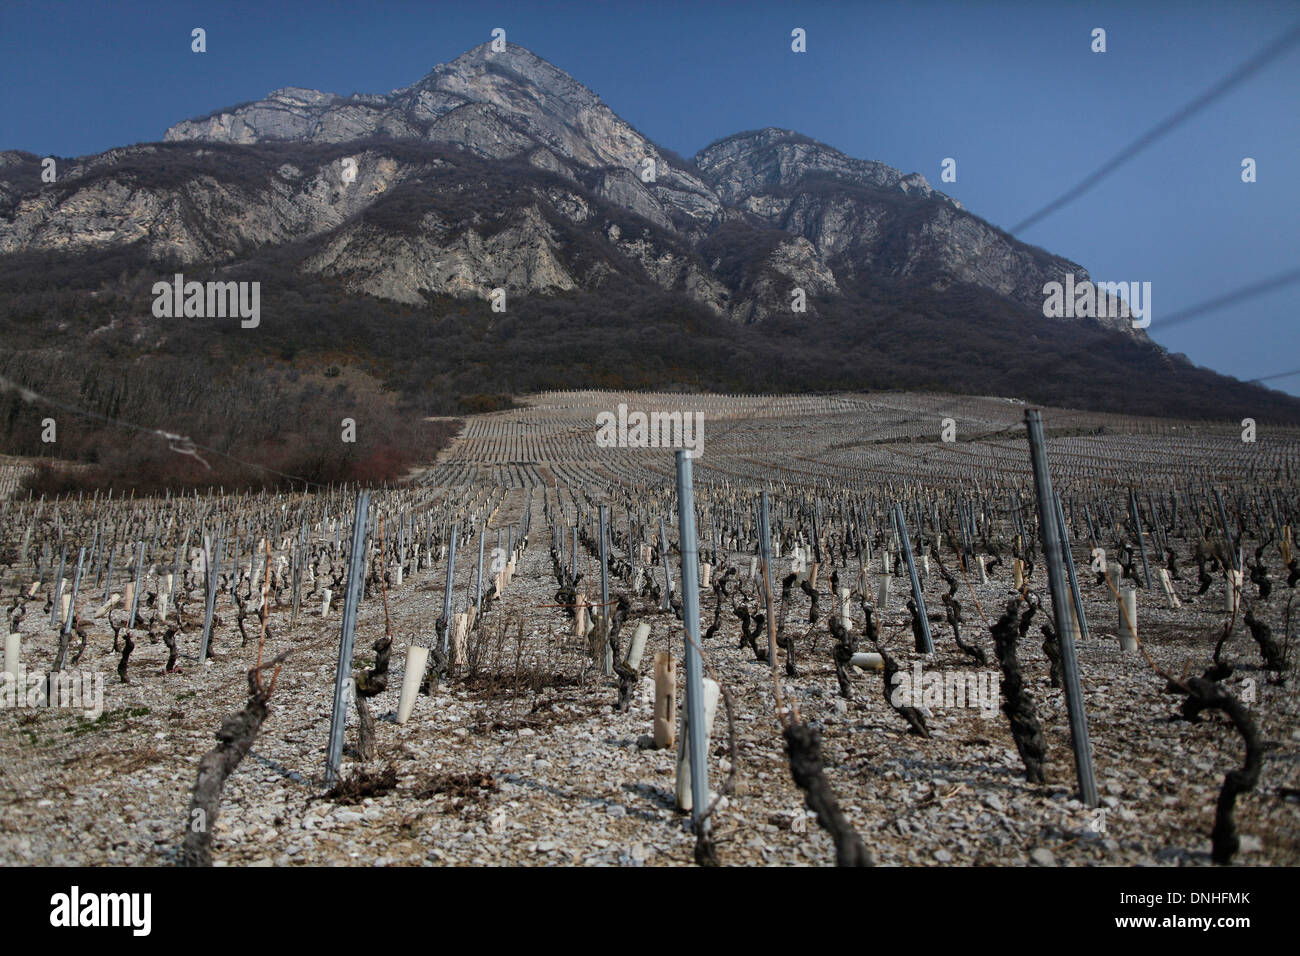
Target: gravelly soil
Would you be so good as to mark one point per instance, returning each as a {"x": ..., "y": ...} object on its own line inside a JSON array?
[{"x": 556, "y": 777}]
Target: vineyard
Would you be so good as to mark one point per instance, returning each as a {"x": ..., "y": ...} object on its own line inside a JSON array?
[{"x": 844, "y": 632}]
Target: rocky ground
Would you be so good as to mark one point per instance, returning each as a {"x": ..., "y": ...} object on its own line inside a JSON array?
[{"x": 521, "y": 759}]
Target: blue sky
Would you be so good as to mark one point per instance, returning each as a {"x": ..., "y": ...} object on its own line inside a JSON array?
[{"x": 1010, "y": 90}]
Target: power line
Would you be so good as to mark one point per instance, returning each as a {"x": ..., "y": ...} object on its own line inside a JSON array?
[
  {"x": 1269, "y": 378},
  {"x": 1232, "y": 298},
  {"x": 1243, "y": 72}
]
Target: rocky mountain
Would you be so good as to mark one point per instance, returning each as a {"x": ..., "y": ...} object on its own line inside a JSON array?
[
  {"x": 498, "y": 171},
  {"x": 829, "y": 220}
]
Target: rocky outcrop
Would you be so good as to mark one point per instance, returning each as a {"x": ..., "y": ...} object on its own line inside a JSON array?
[
  {"x": 206, "y": 217},
  {"x": 865, "y": 218},
  {"x": 748, "y": 164},
  {"x": 440, "y": 259}
]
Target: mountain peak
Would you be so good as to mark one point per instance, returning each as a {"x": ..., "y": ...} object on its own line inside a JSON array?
[
  {"x": 521, "y": 61},
  {"x": 496, "y": 103},
  {"x": 764, "y": 137},
  {"x": 756, "y": 161}
]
